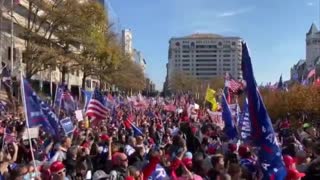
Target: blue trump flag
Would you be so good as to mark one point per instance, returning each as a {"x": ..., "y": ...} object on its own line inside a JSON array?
[
  {"x": 58, "y": 96},
  {"x": 230, "y": 128},
  {"x": 38, "y": 113},
  {"x": 263, "y": 135},
  {"x": 68, "y": 104},
  {"x": 244, "y": 123},
  {"x": 87, "y": 97}
]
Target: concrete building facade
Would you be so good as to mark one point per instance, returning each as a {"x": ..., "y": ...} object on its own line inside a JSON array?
[
  {"x": 20, "y": 14},
  {"x": 126, "y": 41},
  {"x": 205, "y": 56},
  {"x": 139, "y": 59}
]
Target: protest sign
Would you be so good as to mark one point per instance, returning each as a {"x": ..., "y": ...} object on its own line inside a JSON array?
[
  {"x": 34, "y": 133},
  {"x": 79, "y": 115},
  {"x": 67, "y": 125}
]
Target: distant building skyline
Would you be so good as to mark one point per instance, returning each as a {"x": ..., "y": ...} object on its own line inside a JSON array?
[{"x": 205, "y": 56}]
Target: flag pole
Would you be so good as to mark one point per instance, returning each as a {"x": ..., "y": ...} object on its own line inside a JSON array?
[{"x": 27, "y": 120}]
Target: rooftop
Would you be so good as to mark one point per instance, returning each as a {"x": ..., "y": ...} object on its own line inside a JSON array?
[
  {"x": 313, "y": 29},
  {"x": 203, "y": 36}
]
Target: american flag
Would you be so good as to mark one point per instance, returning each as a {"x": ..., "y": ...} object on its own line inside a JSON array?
[
  {"x": 232, "y": 84},
  {"x": 96, "y": 107}
]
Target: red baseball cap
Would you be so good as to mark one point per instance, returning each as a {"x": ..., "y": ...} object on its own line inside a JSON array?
[
  {"x": 104, "y": 137},
  {"x": 211, "y": 149},
  {"x": 288, "y": 161},
  {"x": 294, "y": 174},
  {"x": 243, "y": 150},
  {"x": 56, "y": 167},
  {"x": 232, "y": 147}
]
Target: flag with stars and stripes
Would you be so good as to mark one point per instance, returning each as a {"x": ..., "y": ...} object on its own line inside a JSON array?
[
  {"x": 96, "y": 108},
  {"x": 232, "y": 84},
  {"x": 38, "y": 113},
  {"x": 262, "y": 132}
]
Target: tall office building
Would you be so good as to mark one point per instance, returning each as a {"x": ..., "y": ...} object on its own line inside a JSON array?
[
  {"x": 126, "y": 42},
  {"x": 205, "y": 56},
  {"x": 139, "y": 59}
]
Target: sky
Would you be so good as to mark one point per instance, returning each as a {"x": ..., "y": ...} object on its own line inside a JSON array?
[{"x": 274, "y": 30}]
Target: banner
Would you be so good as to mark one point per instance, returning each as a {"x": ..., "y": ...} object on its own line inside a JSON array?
[
  {"x": 38, "y": 112},
  {"x": 244, "y": 123}
]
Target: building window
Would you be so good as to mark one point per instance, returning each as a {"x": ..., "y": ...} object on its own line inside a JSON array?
[
  {"x": 185, "y": 60},
  {"x": 204, "y": 65},
  {"x": 206, "y": 60},
  {"x": 185, "y": 56},
  {"x": 207, "y": 55},
  {"x": 185, "y": 46},
  {"x": 226, "y": 55},
  {"x": 233, "y": 43},
  {"x": 88, "y": 83},
  {"x": 185, "y": 65},
  {"x": 185, "y": 51},
  {"x": 206, "y": 51},
  {"x": 206, "y": 69},
  {"x": 206, "y": 74}
]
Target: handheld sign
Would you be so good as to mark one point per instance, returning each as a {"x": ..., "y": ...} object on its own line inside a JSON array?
[
  {"x": 34, "y": 133},
  {"x": 67, "y": 125},
  {"x": 79, "y": 115}
]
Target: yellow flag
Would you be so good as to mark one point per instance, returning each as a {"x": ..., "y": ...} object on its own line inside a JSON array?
[
  {"x": 86, "y": 123},
  {"x": 210, "y": 97}
]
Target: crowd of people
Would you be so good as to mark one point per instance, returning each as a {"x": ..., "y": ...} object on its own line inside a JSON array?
[{"x": 161, "y": 145}]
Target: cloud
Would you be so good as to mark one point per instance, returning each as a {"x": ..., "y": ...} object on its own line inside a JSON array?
[
  {"x": 310, "y": 3},
  {"x": 235, "y": 12}
]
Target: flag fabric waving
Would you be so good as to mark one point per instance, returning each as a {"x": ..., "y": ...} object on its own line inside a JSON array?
[
  {"x": 244, "y": 123},
  {"x": 129, "y": 125},
  {"x": 230, "y": 128},
  {"x": 96, "y": 107},
  {"x": 68, "y": 103},
  {"x": 262, "y": 133},
  {"x": 231, "y": 83},
  {"x": 210, "y": 97},
  {"x": 37, "y": 111},
  {"x": 87, "y": 97},
  {"x": 58, "y": 96}
]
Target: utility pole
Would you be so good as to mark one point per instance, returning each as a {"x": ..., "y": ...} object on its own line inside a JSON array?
[
  {"x": 12, "y": 38},
  {"x": 1, "y": 44}
]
